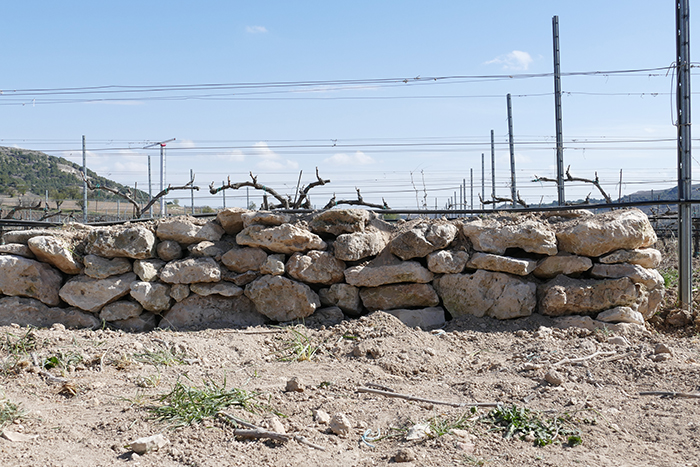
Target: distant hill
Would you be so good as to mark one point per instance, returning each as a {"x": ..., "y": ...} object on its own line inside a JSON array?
[{"x": 24, "y": 171}]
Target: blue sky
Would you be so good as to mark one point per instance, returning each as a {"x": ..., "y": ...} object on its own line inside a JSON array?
[{"x": 410, "y": 143}]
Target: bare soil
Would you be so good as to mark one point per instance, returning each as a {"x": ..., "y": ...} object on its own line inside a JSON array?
[{"x": 113, "y": 378}]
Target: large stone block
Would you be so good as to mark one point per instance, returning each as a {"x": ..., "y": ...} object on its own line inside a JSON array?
[
  {"x": 186, "y": 230},
  {"x": 649, "y": 277},
  {"x": 98, "y": 267},
  {"x": 360, "y": 245},
  {"x": 645, "y": 257},
  {"x": 30, "y": 312},
  {"x": 245, "y": 259},
  {"x": 55, "y": 251},
  {"x": 447, "y": 261},
  {"x": 214, "y": 311},
  {"x": 28, "y": 278},
  {"x": 316, "y": 267},
  {"x": 564, "y": 295},
  {"x": 340, "y": 221},
  {"x": 498, "y": 263},
  {"x": 344, "y": 296},
  {"x": 135, "y": 242},
  {"x": 496, "y": 235},
  {"x": 552, "y": 266},
  {"x": 230, "y": 219},
  {"x": 282, "y": 299},
  {"x": 153, "y": 296},
  {"x": 487, "y": 293},
  {"x": 388, "y": 297},
  {"x": 286, "y": 238},
  {"x": 91, "y": 294},
  {"x": 191, "y": 270},
  {"x": 371, "y": 275},
  {"x": 423, "y": 238}
]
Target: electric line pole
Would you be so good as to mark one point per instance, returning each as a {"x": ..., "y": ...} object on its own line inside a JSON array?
[
  {"x": 483, "y": 181},
  {"x": 162, "y": 171},
  {"x": 513, "y": 189},
  {"x": 84, "y": 185},
  {"x": 557, "y": 114},
  {"x": 493, "y": 172}
]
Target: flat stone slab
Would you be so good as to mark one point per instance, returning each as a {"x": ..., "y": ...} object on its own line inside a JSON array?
[
  {"x": 30, "y": 312},
  {"x": 26, "y": 277},
  {"x": 91, "y": 294},
  {"x": 212, "y": 312}
]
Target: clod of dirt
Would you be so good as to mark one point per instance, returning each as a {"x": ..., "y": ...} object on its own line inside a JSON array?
[
  {"x": 554, "y": 377},
  {"x": 321, "y": 417},
  {"x": 294, "y": 385},
  {"x": 662, "y": 349},
  {"x": 340, "y": 425},
  {"x": 405, "y": 455}
]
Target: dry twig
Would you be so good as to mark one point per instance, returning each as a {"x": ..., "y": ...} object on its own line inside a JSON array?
[
  {"x": 568, "y": 361},
  {"x": 257, "y": 432},
  {"x": 686, "y": 395},
  {"x": 429, "y": 401}
]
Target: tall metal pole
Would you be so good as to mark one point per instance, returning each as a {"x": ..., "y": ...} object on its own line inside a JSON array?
[
  {"x": 223, "y": 194},
  {"x": 483, "y": 180},
  {"x": 513, "y": 188},
  {"x": 685, "y": 272},
  {"x": 464, "y": 190},
  {"x": 557, "y": 114},
  {"x": 162, "y": 179},
  {"x": 471, "y": 178},
  {"x": 85, "y": 206},
  {"x": 150, "y": 194},
  {"x": 493, "y": 172}
]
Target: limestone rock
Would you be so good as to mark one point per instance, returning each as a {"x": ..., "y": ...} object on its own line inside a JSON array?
[
  {"x": 360, "y": 245},
  {"x": 286, "y": 238},
  {"x": 344, "y": 296},
  {"x": 92, "y": 294},
  {"x": 23, "y": 236},
  {"x": 425, "y": 318},
  {"x": 388, "y": 297},
  {"x": 601, "y": 234},
  {"x": 54, "y": 251},
  {"x": 447, "y": 261},
  {"x": 621, "y": 314},
  {"x": 495, "y": 235},
  {"x": 552, "y": 266},
  {"x": 191, "y": 270},
  {"x": 340, "y": 221},
  {"x": 225, "y": 289},
  {"x": 645, "y": 257},
  {"x": 487, "y": 293},
  {"x": 153, "y": 296},
  {"x": 422, "y": 239},
  {"x": 316, "y": 267},
  {"x": 267, "y": 218},
  {"x": 244, "y": 259},
  {"x": 649, "y": 277},
  {"x": 151, "y": 443},
  {"x": 230, "y": 219},
  {"x": 148, "y": 269},
  {"x": 30, "y": 312},
  {"x": 16, "y": 249},
  {"x": 207, "y": 248},
  {"x": 274, "y": 265},
  {"x": 649, "y": 301},
  {"x": 387, "y": 269},
  {"x": 239, "y": 279},
  {"x": 328, "y": 316},
  {"x": 565, "y": 296},
  {"x": 186, "y": 230},
  {"x": 586, "y": 322},
  {"x": 28, "y": 278},
  {"x": 340, "y": 425},
  {"x": 169, "y": 250},
  {"x": 120, "y": 310},
  {"x": 282, "y": 299},
  {"x": 179, "y": 292},
  {"x": 214, "y": 311},
  {"x": 497, "y": 263},
  {"x": 137, "y": 242},
  {"x": 98, "y": 267},
  {"x": 144, "y": 322}
]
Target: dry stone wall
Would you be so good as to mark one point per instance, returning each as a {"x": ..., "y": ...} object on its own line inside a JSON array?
[{"x": 249, "y": 267}]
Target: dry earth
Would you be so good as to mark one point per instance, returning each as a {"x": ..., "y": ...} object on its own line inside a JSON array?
[{"x": 113, "y": 378}]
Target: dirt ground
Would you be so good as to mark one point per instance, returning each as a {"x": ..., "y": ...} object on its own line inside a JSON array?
[{"x": 114, "y": 381}]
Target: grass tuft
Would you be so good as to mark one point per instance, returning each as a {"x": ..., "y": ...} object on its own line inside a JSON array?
[
  {"x": 301, "y": 348},
  {"x": 9, "y": 412},
  {"x": 524, "y": 423}
]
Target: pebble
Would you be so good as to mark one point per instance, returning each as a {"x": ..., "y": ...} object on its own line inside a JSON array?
[
  {"x": 553, "y": 377},
  {"x": 321, "y": 417},
  {"x": 618, "y": 340},
  {"x": 661, "y": 357},
  {"x": 340, "y": 425},
  {"x": 662, "y": 348},
  {"x": 405, "y": 455},
  {"x": 150, "y": 443},
  {"x": 295, "y": 385}
]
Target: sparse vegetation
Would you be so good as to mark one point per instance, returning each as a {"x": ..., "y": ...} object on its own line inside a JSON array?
[
  {"x": 299, "y": 349},
  {"x": 9, "y": 412},
  {"x": 530, "y": 425}
]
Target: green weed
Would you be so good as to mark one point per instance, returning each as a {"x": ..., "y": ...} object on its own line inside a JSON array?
[
  {"x": 61, "y": 360},
  {"x": 670, "y": 276},
  {"x": 164, "y": 357},
  {"x": 443, "y": 425},
  {"x": 9, "y": 412},
  {"x": 300, "y": 348},
  {"x": 524, "y": 423},
  {"x": 20, "y": 345}
]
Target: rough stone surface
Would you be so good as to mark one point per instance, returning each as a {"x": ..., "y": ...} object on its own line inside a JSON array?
[
  {"x": 328, "y": 316},
  {"x": 23, "y": 236},
  {"x": 388, "y": 297},
  {"x": 344, "y": 296},
  {"x": 274, "y": 265},
  {"x": 552, "y": 266},
  {"x": 136, "y": 242},
  {"x": 179, "y": 292},
  {"x": 98, "y": 267},
  {"x": 53, "y": 250},
  {"x": 239, "y": 279},
  {"x": 486, "y": 293},
  {"x": 91, "y": 294},
  {"x": 447, "y": 261},
  {"x": 340, "y": 221},
  {"x": 601, "y": 234},
  {"x": 244, "y": 259},
  {"x": 340, "y": 425},
  {"x": 148, "y": 269},
  {"x": 144, "y": 322},
  {"x": 422, "y": 239},
  {"x": 214, "y": 311},
  {"x": 29, "y": 278},
  {"x": 586, "y": 322},
  {"x": 650, "y": 301},
  {"x": 497, "y": 263},
  {"x": 646, "y": 257},
  {"x": 230, "y": 220},
  {"x": 513, "y": 232},
  {"x": 169, "y": 250},
  {"x": 649, "y": 277},
  {"x": 120, "y": 310},
  {"x": 187, "y": 231},
  {"x": 621, "y": 314},
  {"x": 16, "y": 249},
  {"x": 30, "y": 312},
  {"x": 565, "y": 296},
  {"x": 153, "y": 296},
  {"x": 426, "y": 318},
  {"x": 225, "y": 289},
  {"x": 360, "y": 245},
  {"x": 387, "y": 269},
  {"x": 267, "y": 218},
  {"x": 282, "y": 299},
  {"x": 287, "y": 238},
  {"x": 191, "y": 270},
  {"x": 316, "y": 267},
  {"x": 207, "y": 248}
]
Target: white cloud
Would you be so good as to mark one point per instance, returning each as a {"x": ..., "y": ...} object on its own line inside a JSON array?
[
  {"x": 516, "y": 60},
  {"x": 359, "y": 158},
  {"x": 231, "y": 156},
  {"x": 270, "y": 159},
  {"x": 255, "y": 29},
  {"x": 184, "y": 143}
]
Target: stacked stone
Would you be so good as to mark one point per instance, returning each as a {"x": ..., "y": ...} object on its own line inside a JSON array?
[{"x": 250, "y": 267}]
